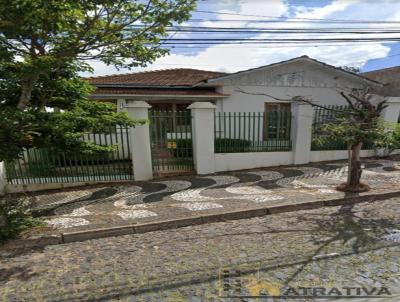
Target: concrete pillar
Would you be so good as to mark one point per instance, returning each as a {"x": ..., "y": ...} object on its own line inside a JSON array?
[
  {"x": 301, "y": 132},
  {"x": 391, "y": 113},
  {"x": 140, "y": 140},
  {"x": 121, "y": 105},
  {"x": 3, "y": 179},
  {"x": 203, "y": 136}
]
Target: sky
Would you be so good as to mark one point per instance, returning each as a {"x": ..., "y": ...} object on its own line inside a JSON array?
[{"x": 232, "y": 58}]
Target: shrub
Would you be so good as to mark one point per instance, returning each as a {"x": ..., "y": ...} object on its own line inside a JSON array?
[
  {"x": 15, "y": 217},
  {"x": 390, "y": 142},
  {"x": 67, "y": 159},
  {"x": 184, "y": 147},
  {"x": 231, "y": 145}
]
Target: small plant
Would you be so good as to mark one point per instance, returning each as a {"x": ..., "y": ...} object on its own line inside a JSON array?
[
  {"x": 390, "y": 141},
  {"x": 15, "y": 217}
]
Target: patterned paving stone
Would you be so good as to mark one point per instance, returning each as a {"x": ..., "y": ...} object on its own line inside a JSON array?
[
  {"x": 232, "y": 191},
  {"x": 67, "y": 222},
  {"x": 79, "y": 212},
  {"x": 199, "y": 206},
  {"x": 134, "y": 214}
]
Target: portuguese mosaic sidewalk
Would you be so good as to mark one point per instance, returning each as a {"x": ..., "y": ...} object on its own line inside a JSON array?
[{"x": 193, "y": 196}]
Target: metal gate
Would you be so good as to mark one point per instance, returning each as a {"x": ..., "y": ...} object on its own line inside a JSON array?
[{"x": 171, "y": 142}]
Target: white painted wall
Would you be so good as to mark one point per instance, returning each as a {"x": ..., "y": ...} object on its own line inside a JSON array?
[
  {"x": 327, "y": 155},
  {"x": 240, "y": 161},
  {"x": 142, "y": 165},
  {"x": 304, "y": 78},
  {"x": 203, "y": 136},
  {"x": 317, "y": 156}
]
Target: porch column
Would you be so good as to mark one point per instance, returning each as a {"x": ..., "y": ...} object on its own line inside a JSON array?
[
  {"x": 3, "y": 179},
  {"x": 203, "y": 136},
  {"x": 391, "y": 113},
  {"x": 140, "y": 140},
  {"x": 301, "y": 132}
]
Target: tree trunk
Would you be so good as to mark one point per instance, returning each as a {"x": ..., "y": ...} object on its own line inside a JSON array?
[
  {"x": 348, "y": 163},
  {"x": 27, "y": 85},
  {"x": 353, "y": 182}
]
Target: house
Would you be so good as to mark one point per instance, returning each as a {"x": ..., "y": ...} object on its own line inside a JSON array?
[
  {"x": 253, "y": 115},
  {"x": 175, "y": 89},
  {"x": 388, "y": 76},
  {"x": 205, "y": 122}
]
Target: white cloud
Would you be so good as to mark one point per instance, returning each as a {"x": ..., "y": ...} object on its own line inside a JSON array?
[{"x": 239, "y": 57}]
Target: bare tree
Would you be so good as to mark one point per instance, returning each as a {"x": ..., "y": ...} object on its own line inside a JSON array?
[{"x": 357, "y": 125}]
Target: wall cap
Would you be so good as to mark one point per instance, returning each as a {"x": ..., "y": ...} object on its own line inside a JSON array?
[
  {"x": 393, "y": 99},
  {"x": 202, "y": 105}
]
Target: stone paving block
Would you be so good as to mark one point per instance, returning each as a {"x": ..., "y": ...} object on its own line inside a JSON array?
[
  {"x": 168, "y": 224},
  {"x": 98, "y": 233},
  {"x": 250, "y": 213}
]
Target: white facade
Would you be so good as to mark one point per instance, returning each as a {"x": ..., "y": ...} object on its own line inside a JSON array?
[{"x": 319, "y": 84}]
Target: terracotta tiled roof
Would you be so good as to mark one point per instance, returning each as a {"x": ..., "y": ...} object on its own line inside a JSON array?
[
  {"x": 154, "y": 91},
  {"x": 159, "y": 78}
]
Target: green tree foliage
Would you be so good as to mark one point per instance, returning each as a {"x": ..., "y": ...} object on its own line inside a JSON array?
[
  {"x": 45, "y": 44},
  {"x": 58, "y": 131},
  {"x": 351, "y": 69},
  {"x": 38, "y": 37}
]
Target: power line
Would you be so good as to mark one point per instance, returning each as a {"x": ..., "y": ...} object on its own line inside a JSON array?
[
  {"x": 252, "y": 66},
  {"x": 296, "y": 18},
  {"x": 292, "y": 21},
  {"x": 195, "y": 41},
  {"x": 291, "y": 31},
  {"x": 209, "y": 29},
  {"x": 376, "y": 59},
  {"x": 275, "y": 46}
]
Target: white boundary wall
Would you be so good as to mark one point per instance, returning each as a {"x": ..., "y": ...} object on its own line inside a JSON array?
[
  {"x": 251, "y": 160},
  {"x": 208, "y": 162},
  {"x": 317, "y": 156},
  {"x": 241, "y": 161}
]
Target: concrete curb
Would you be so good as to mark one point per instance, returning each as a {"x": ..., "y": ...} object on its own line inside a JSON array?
[{"x": 189, "y": 221}]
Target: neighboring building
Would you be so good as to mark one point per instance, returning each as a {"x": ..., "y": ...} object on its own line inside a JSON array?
[
  {"x": 175, "y": 89},
  {"x": 388, "y": 76}
]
